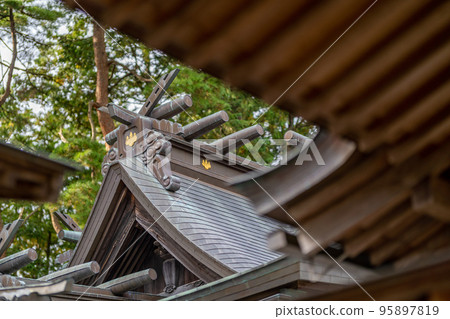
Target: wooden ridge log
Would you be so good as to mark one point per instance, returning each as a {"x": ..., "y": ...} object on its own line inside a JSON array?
[
  {"x": 71, "y": 236},
  {"x": 130, "y": 282},
  {"x": 204, "y": 125},
  {"x": 238, "y": 138},
  {"x": 76, "y": 273},
  {"x": 172, "y": 108},
  {"x": 18, "y": 260}
]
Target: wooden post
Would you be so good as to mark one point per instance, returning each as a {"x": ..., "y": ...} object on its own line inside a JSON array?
[
  {"x": 204, "y": 125},
  {"x": 172, "y": 108},
  {"x": 170, "y": 273},
  {"x": 71, "y": 236},
  {"x": 130, "y": 282},
  {"x": 238, "y": 138},
  {"x": 10, "y": 264},
  {"x": 77, "y": 273}
]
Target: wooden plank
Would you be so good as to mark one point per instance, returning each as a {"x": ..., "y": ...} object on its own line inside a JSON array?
[
  {"x": 368, "y": 76},
  {"x": 411, "y": 285},
  {"x": 106, "y": 194},
  {"x": 246, "y": 282}
]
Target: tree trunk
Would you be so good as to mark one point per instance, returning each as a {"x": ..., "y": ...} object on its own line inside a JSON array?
[
  {"x": 101, "y": 91},
  {"x": 13, "y": 58}
]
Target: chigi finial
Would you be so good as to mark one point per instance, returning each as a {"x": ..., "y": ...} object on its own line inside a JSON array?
[{"x": 144, "y": 133}]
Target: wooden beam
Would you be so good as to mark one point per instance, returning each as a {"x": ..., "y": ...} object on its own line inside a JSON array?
[
  {"x": 437, "y": 134},
  {"x": 245, "y": 284},
  {"x": 129, "y": 282},
  {"x": 387, "y": 224},
  {"x": 437, "y": 245},
  {"x": 418, "y": 232},
  {"x": 360, "y": 119},
  {"x": 14, "y": 262},
  {"x": 432, "y": 197},
  {"x": 76, "y": 273},
  {"x": 370, "y": 201}
]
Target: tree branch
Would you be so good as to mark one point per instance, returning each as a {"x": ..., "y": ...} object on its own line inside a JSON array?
[
  {"x": 133, "y": 72},
  {"x": 13, "y": 59},
  {"x": 27, "y": 71},
  {"x": 91, "y": 121}
]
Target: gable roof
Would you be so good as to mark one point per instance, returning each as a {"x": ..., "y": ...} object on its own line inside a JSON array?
[{"x": 212, "y": 231}]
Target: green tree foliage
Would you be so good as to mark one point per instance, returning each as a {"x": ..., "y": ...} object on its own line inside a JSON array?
[{"x": 47, "y": 110}]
